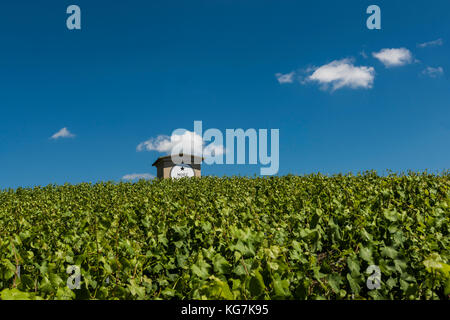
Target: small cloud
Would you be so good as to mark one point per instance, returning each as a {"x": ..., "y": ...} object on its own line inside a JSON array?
[
  {"x": 189, "y": 142},
  {"x": 162, "y": 143},
  {"x": 285, "y": 78},
  {"x": 434, "y": 43},
  {"x": 213, "y": 150},
  {"x": 394, "y": 57},
  {"x": 63, "y": 133},
  {"x": 433, "y": 72},
  {"x": 138, "y": 176},
  {"x": 363, "y": 54},
  {"x": 342, "y": 73}
]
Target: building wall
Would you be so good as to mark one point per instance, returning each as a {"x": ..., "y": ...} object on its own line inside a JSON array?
[{"x": 165, "y": 165}]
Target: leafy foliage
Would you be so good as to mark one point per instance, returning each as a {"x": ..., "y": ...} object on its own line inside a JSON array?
[{"x": 310, "y": 237}]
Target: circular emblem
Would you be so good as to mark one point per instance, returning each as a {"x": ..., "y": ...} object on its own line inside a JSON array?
[{"x": 181, "y": 171}]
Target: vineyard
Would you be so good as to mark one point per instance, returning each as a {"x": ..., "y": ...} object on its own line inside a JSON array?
[{"x": 291, "y": 237}]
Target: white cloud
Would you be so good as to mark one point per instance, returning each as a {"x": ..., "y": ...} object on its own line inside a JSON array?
[
  {"x": 434, "y": 43},
  {"x": 161, "y": 144},
  {"x": 394, "y": 57},
  {"x": 213, "y": 149},
  {"x": 189, "y": 142},
  {"x": 285, "y": 78},
  {"x": 433, "y": 72},
  {"x": 138, "y": 176},
  {"x": 342, "y": 73},
  {"x": 63, "y": 133}
]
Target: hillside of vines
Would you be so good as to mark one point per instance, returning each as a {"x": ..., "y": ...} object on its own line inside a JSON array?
[{"x": 290, "y": 237}]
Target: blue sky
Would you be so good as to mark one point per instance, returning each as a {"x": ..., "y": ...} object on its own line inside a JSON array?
[{"x": 140, "y": 69}]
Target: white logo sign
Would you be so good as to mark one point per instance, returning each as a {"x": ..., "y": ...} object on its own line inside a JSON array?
[{"x": 181, "y": 171}]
